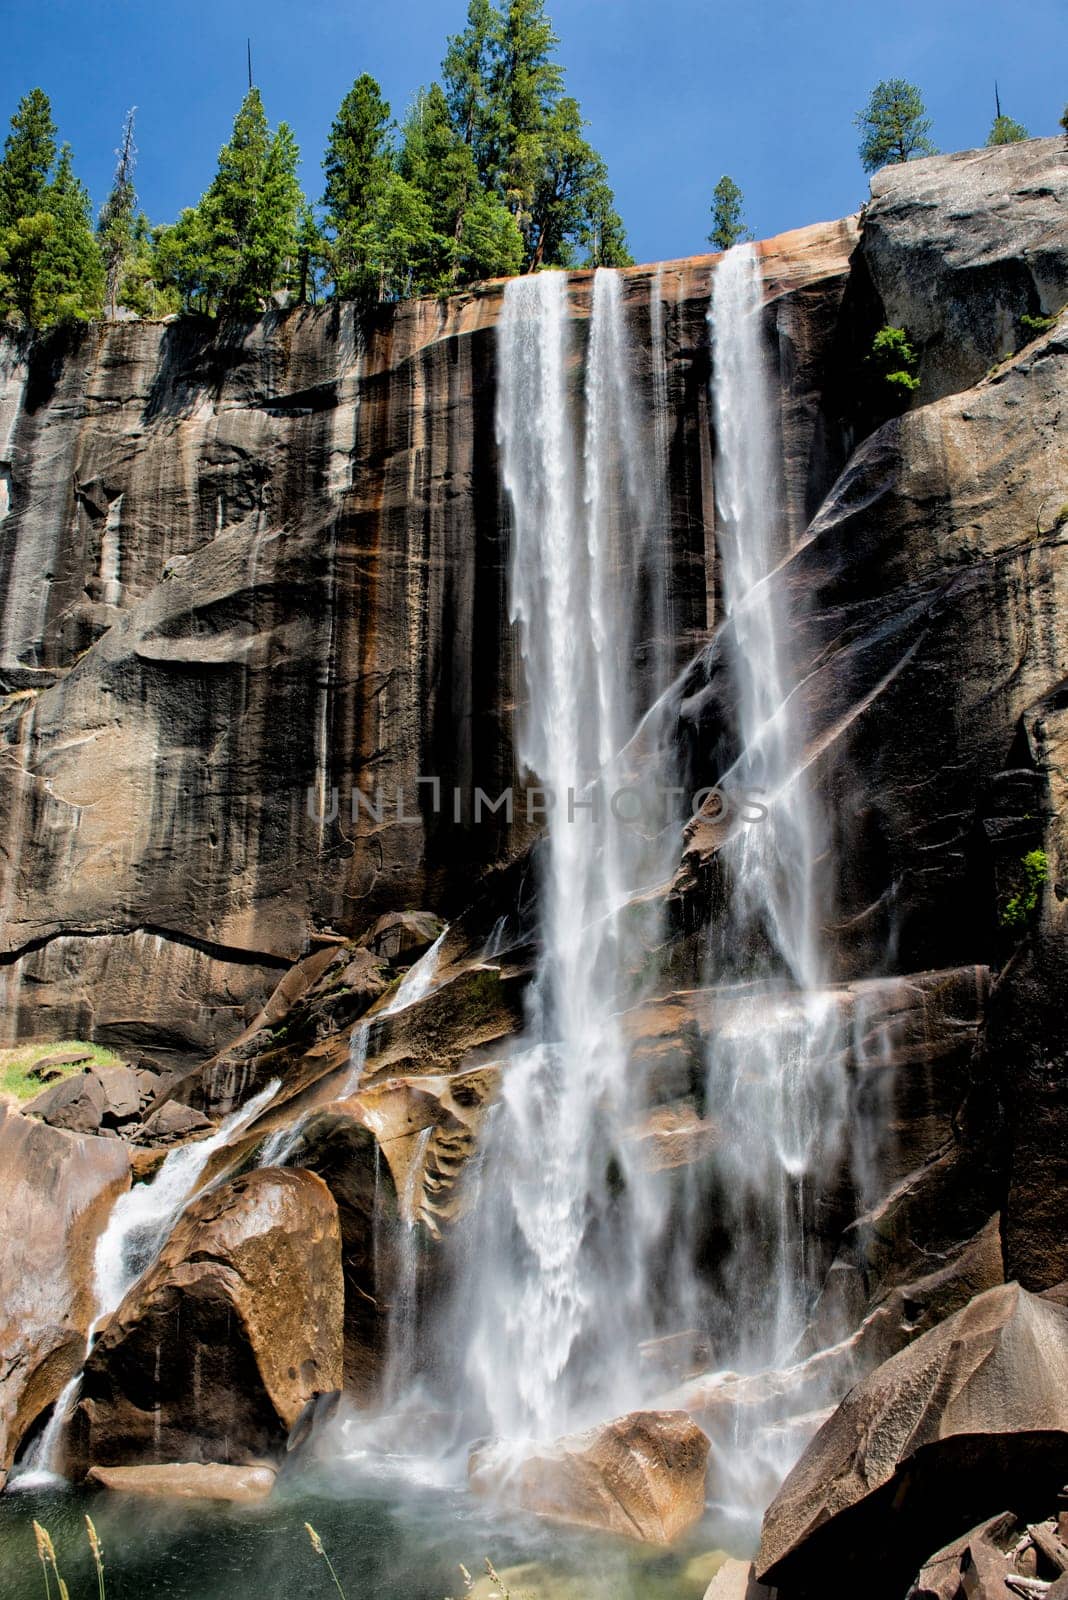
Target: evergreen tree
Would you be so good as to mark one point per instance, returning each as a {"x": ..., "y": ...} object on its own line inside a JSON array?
[
  {"x": 467, "y": 73},
  {"x": 728, "y": 218},
  {"x": 274, "y": 249},
  {"x": 1006, "y": 131},
  {"x": 232, "y": 250},
  {"x": 894, "y": 125},
  {"x": 311, "y": 255},
  {"x": 50, "y": 267},
  {"x": 29, "y": 154},
  {"x": 143, "y": 291},
  {"x": 358, "y": 166},
  {"x": 504, "y": 91},
  {"x": 1064, "y": 119},
  {"x": 471, "y": 232},
  {"x": 601, "y": 233},
  {"x": 526, "y": 85},
  {"x": 117, "y": 223},
  {"x": 71, "y": 282}
]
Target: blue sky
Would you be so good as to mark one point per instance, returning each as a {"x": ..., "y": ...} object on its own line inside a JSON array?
[{"x": 676, "y": 91}]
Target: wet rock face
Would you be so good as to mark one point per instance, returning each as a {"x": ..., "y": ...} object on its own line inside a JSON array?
[
  {"x": 236, "y": 1326},
  {"x": 278, "y": 557},
  {"x": 57, "y": 1189}
]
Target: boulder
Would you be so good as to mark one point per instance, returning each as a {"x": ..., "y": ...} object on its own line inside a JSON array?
[
  {"x": 76, "y": 1104},
  {"x": 970, "y": 1419},
  {"x": 642, "y": 1475},
  {"x": 403, "y": 935},
  {"x": 56, "y": 1190},
  {"x": 736, "y": 1580},
  {"x": 171, "y": 1123},
  {"x": 187, "y": 1480},
  {"x": 215, "y": 1351},
  {"x": 976, "y": 1563},
  {"x": 122, "y": 1094}
]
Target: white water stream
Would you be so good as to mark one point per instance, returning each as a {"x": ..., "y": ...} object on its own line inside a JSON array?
[
  {"x": 140, "y": 1223},
  {"x": 566, "y": 1209}
]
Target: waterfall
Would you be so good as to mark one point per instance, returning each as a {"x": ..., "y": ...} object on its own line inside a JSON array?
[
  {"x": 558, "y": 1286},
  {"x": 776, "y": 1079},
  {"x": 140, "y": 1223}
]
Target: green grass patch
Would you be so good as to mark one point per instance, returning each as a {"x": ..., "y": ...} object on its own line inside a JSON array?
[{"x": 17, "y": 1063}]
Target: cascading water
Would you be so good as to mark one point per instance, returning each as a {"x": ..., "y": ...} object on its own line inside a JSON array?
[
  {"x": 560, "y": 1270},
  {"x": 776, "y": 1081},
  {"x": 139, "y": 1225}
]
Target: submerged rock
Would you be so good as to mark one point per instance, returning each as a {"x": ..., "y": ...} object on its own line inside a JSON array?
[
  {"x": 642, "y": 1476},
  {"x": 187, "y": 1480},
  {"x": 216, "y": 1350},
  {"x": 970, "y": 1419}
]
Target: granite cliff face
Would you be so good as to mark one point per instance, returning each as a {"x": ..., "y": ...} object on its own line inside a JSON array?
[
  {"x": 250, "y": 565},
  {"x": 243, "y": 564}
]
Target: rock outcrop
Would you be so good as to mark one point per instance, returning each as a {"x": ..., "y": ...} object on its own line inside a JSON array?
[
  {"x": 234, "y": 1328},
  {"x": 56, "y": 1190},
  {"x": 969, "y": 1420},
  {"x": 642, "y": 1476}
]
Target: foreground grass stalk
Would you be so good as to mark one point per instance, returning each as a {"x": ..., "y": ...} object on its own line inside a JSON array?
[
  {"x": 98, "y": 1554},
  {"x": 46, "y": 1554},
  {"x": 317, "y": 1546}
]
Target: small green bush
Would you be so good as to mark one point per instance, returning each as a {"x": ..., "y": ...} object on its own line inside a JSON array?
[
  {"x": 1020, "y": 907},
  {"x": 1033, "y": 326},
  {"x": 893, "y": 362}
]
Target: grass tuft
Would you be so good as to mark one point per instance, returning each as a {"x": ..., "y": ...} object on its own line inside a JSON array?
[{"x": 17, "y": 1062}]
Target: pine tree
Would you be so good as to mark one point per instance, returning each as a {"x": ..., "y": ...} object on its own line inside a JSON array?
[
  {"x": 467, "y": 74},
  {"x": 472, "y": 233},
  {"x": 311, "y": 255},
  {"x": 29, "y": 154},
  {"x": 728, "y": 219},
  {"x": 525, "y": 87},
  {"x": 894, "y": 125},
  {"x": 50, "y": 267},
  {"x": 274, "y": 249},
  {"x": 601, "y": 233},
  {"x": 71, "y": 283},
  {"x": 504, "y": 90},
  {"x": 358, "y": 167},
  {"x": 117, "y": 223},
  {"x": 143, "y": 290},
  {"x": 232, "y": 250},
  {"x": 1006, "y": 131}
]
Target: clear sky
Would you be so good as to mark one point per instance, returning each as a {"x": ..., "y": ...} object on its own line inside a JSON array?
[{"x": 676, "y": 91}]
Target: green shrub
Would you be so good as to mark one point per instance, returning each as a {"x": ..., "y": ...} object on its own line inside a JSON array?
[
  {"x": 1033, "y": 326},
  {"x": 893, "y": 362},
  {"x": 1020, "y": 907}
]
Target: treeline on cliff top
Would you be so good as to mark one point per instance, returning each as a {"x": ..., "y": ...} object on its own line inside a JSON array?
[{"x": 489, "y": 174}]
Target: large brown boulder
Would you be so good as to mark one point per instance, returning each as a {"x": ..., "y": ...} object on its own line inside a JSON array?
[
  {"x": 642, "y": 1476},
  {"x": 215, "y": 1351},
  {"x": 56, "y": 1190},
  {"x": 968, "y": 1421}
]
